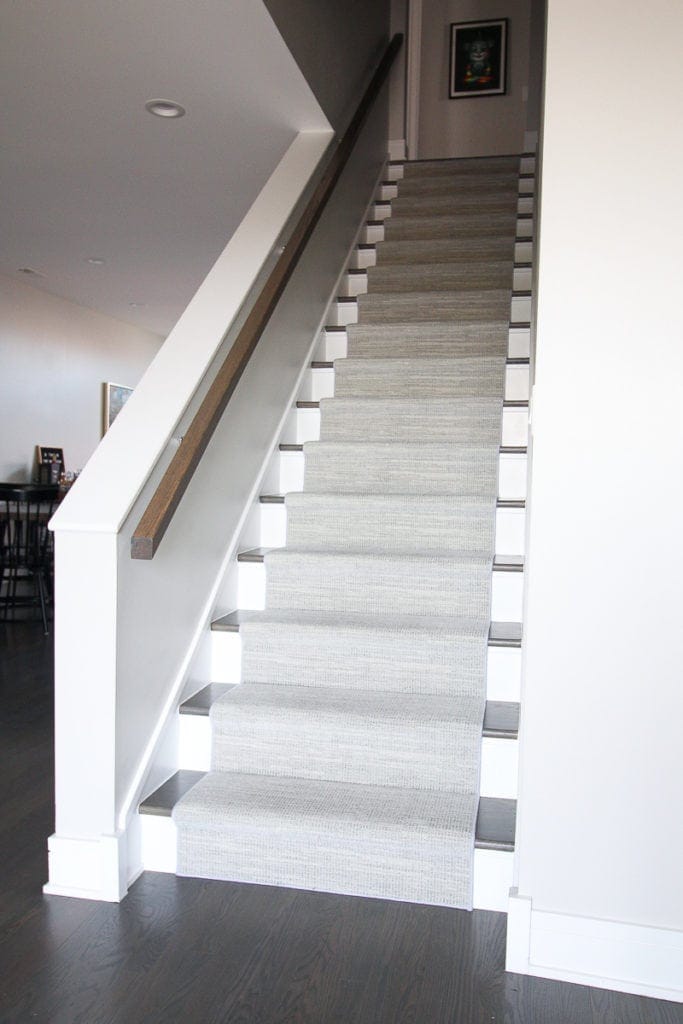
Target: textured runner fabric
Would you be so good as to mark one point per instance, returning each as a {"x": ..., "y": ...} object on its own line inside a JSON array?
[{"x": 348, "y": 759}]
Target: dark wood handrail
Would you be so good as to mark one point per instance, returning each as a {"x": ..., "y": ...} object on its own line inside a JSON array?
[{"x": 160, "y": 510}]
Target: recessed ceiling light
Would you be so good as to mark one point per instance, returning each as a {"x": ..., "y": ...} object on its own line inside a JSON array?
[
  {"x": 95, "y": 261},
  {"x": 164, "y": 108},
  {"x": 137, "y": 305}
]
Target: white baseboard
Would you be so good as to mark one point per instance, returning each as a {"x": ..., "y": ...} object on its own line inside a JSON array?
[
  {"x": 397, "y": 149},
  {"x": 93, "y": 868},
  {"x": 637, "y": 959}
]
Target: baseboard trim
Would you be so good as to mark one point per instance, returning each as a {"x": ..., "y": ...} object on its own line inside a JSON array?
[
  {"x": 637, "y": 959},
  {"x": 397, "y": 149},
  {"x": 92, "y": 868}
]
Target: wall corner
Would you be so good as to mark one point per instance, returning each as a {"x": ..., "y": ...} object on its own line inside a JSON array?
[{"x": 518, "y": 933}]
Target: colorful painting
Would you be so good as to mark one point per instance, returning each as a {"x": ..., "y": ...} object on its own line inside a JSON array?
[
  {"x": 478, "y": 59},
  {"x": 115, "y": 397}
]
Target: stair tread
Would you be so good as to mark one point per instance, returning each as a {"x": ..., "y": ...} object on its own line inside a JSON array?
[
  {"x": 501, "y": 634},
  {"x": 162, "y": 801},
  {"x": 504, "y": 449},
  {"x": 495, "y": 829},
  {"x": 501, "y": 563},
  {"x": 279, "y": 499},
  {"x": 320, "y": 364},
  {"x": 501, "y": 718},
  {"x": 495, "y": 819},
  {"x": 508, "y": 403},
  {"x": 199, "y": 703}
]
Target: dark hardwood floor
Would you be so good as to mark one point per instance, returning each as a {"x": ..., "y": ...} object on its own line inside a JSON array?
[{"x": 182, "y": 950}]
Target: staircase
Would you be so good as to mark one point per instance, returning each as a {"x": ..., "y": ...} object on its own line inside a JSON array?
[{"x": 370, "y": 746}]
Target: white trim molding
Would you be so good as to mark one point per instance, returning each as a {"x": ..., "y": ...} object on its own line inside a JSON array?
[
  {"x": 633, "y": 958},
  {"x": 397, "y": 149},
  {"x": 413, "y": 62},
  {"x": 90, "y": 868}
]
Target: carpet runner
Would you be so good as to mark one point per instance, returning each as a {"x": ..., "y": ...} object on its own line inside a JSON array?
[{"x": 348, "y": 758}]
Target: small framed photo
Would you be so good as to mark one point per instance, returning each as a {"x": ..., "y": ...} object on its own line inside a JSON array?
[
  {"x": 478, "y": 64},
  {"x": 50, "y": 460},
  {"x": 115, "y": 397}
]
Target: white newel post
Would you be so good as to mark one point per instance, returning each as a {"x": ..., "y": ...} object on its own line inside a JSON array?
[{"x": 86, "y": 855}]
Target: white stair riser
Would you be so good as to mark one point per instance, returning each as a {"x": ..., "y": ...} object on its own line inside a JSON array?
[
  {"x": 503, "y": 670},
  {"x": 393, "y": 172},
  {"x": 504, "y": 674},
  {"x": 520, "y": 310},
  {"x": 498, "y": 756},
  {"x": 344, "y": 313},
  {"x": 512, "y": 474},
  {"x": 372, "y": 233},
  {"x": 506, "y": 596},
  {"x": 304, "y": 425},
  {"x": 493, "y": 880},
  {"x": 524, "y": 252},
  {"x": 492, "y": 869},
  {"x": 386, "y": 192},
  {"x": 334, "y": 344},
  {"x": 527, "y": 165},
  {"x": 357, "y": 284},
  {"x": 510, "y": 529},
  {"x": 364, "y": 258},
  {"x": 379, "y": 211},
  {"x": 319, "y": 383},
  {"x": 361, "y": 259},
  {"x": 527, "y": 185}
]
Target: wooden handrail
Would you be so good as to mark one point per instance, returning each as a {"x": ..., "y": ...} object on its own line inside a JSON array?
[{"x": 160, "y": 510}]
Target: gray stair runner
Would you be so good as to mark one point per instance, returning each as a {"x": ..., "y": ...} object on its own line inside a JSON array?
[{"x": 348, "y": 758}]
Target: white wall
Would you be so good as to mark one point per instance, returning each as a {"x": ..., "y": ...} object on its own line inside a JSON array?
[
  {"x": 482, "y": 126},
  {"x": 54, "y": 357},
  {"x": 600, "y": 833}
]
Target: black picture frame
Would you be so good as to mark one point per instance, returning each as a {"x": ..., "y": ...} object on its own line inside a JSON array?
[
  {"x": 50, "y": 462},
  {"x": 478, "y": 59}
]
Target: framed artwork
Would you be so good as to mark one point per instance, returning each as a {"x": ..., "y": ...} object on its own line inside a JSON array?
[
  {"x": 478, "y": 64},
  {"x": 115, "y": 397},
  {"x": 50, "y": 460}
]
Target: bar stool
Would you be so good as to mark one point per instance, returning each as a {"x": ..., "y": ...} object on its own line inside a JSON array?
[{"x": 26, "y": 550}]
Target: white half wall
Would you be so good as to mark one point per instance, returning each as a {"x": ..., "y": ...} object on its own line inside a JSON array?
[
  {"x": 55, "y": 355},
  {"x": 481, "y": 126},
  {"x": 600, "y": 831}
]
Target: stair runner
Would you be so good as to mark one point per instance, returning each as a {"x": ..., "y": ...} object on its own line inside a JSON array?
[{"x": 348, "y": 758}]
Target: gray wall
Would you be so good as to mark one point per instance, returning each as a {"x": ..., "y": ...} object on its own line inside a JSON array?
[
  {"x": 537, "y": 24},
  {"x": 482, "y": 126},
  {"x": 336, "y": 45},
  {"x": 55, "y": 356}
]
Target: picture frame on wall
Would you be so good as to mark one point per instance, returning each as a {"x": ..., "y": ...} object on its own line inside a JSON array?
[
  {"x": 478, "y": 59},
  {"x": 115, "y": 397}
]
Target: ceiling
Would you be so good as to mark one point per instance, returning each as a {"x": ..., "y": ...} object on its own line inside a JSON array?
[{"x": 87, "y": 173}]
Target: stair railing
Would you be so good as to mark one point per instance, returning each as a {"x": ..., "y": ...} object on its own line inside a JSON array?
[{"x": 165, "y": 500}]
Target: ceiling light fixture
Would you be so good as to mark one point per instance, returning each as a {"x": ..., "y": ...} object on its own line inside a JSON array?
[
  {"x": 164, "y": 108},
  {"x": 96, "y": 261},
  {"x": 30, "y": 272}
]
